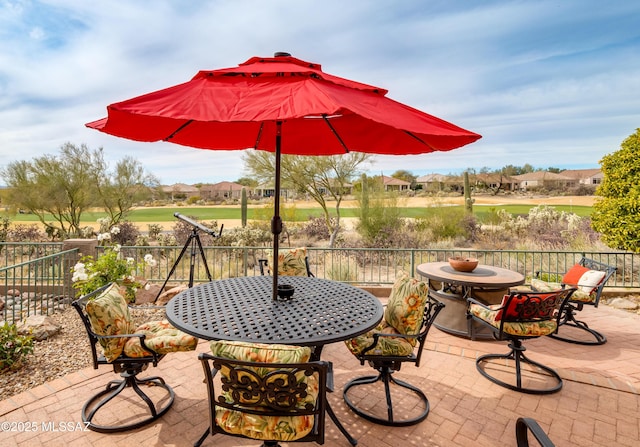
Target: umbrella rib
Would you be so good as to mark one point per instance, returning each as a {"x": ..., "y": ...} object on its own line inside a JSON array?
[
  {"x": 420, "y": 140},
  {"x": 346, "y": 149},
  {"x": 173, "y": 134},
  {"x": 255, "y": 146}
]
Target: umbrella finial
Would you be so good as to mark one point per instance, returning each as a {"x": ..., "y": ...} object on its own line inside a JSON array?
[{"x": 281, "y": 54}]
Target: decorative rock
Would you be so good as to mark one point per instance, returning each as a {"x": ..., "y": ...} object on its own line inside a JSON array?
[
  {"x": 14, "y": 292},
  {"x": 624, "y": 304},
  {"x": 146, "y": 296},
  {"x": 167, "y": 295},
  {"x": 40, "y": 327}
]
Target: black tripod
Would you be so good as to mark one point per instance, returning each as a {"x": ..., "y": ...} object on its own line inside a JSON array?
[{"x": 193, "y": 241}]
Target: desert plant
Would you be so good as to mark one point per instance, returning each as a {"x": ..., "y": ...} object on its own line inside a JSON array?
[{"x": 13, "y": 346}]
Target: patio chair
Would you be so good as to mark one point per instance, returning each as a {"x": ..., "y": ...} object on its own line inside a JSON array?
[
  {"x": 520, "y": 316},
  {"x": 129, "y": 350},
  {"x": 291, "y": 262},
  {"x": 271, "y": 393},
  {"x": 524, "y": 426},
  {"x": 398, "y": 339},
  {"x": 589, "y": 277}
]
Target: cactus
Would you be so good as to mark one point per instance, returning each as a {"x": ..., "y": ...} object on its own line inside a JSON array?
[
  {"x": 243, "y": 207},
  {"x": 468, "y": 201}
]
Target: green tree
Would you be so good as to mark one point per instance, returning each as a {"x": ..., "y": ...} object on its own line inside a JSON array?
[
  {"x": 406, "y": 176},
  {"x": 63, "y": 187},
  {"x": 246, "y": 181},
  {"x": 616, "y": 212},
  {"x": 378, "y": 212},
  {"x": 119, "y": 190},
  {"x": 322, "y": 178}
]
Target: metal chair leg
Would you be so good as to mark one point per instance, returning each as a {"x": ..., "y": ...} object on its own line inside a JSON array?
[
  {"x": 114, "y": 388},
  {"x": 517, "y": 355},
  {"x": 386, "y": 377}
]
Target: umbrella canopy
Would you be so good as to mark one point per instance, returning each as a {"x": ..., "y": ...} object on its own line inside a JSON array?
[{"x": 284, "y": 105}]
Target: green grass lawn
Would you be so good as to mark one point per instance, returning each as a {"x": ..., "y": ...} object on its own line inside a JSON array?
[{"x": 150, "y": 215}]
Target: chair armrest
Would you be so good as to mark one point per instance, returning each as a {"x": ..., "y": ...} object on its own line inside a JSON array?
[
  {"x": 377, "y": 335},
  {"x": 475, "y": 301},
  {"x": 526, "y": 425}
]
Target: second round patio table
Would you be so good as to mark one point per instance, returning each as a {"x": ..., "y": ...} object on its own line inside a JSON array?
[{"x": 486, "y": 283}]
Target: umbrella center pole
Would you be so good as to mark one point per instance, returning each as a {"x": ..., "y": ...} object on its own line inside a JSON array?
[{"x": 276, "y": 221}]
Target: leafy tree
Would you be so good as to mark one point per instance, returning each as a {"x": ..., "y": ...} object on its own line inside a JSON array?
[
  {"x": 322, "y": 178},
  {"x": 378, "y": 213},
  {"x": 128, "y": 184},
  {"x": 406, "y": 176},
  {"x": 617, "y": 213},
  {"x": 63, "y": 187},
  {"x": 248, "y": 182}
]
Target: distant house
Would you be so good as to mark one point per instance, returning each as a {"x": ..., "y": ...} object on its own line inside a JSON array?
[
  {"x": 495, "y": 180},
  {"x": 432, "y": 182},
  {"x": 394, "y": 184},
  {"x": 180, "y": 191},
  {"x": 221, "y": 191},
  {"x": 585, "y": 176},
  {"x": 544, "y": 179}
]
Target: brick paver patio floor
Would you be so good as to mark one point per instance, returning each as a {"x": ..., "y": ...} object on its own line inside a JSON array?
[{"x": 598, "y": 405}]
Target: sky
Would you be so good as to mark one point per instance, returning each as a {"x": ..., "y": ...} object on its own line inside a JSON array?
[{"x": 546, "y": 83}]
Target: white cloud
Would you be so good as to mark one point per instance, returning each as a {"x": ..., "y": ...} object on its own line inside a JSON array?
[{"x": 547, "y": 83}]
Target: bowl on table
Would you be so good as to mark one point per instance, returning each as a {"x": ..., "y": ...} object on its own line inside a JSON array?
[
  {"x": 285, "y": 291},
  {"x": 462, "y": 264}
]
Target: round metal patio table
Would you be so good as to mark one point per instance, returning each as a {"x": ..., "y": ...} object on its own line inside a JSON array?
[
  {"x": 242, "y": 309},
  {"x": 320, "y": 311}
]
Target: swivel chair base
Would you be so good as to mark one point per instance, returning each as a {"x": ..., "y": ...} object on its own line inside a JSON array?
[
  {"x": 569, "y": 320},
  {"x": 517, "y": 355},
  {"x": 115, "y": 387},
  {"x": 387, "y": 378}
]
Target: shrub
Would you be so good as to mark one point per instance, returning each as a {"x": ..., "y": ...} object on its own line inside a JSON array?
[
  {"x": 13, "y": 346},
  {"x": 154, "y": 231},
  {"x": 127, "y": 235}
]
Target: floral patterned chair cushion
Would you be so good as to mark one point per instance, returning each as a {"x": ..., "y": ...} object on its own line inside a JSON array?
[
  {"x": 403, "y": 315},
  {"x": 579, "y": 295},
  {"x": 162, "y": 337},
  {"x": 405, "y": 308},
  {"x": 291, "y": 262},
  {"x": 525, "y": 329},
  {"x": 256, "y": 426},
  {"x": 109, "y": 315}
]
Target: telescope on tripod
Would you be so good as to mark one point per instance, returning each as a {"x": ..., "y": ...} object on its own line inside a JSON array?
[{"x": 194, "y": 242}]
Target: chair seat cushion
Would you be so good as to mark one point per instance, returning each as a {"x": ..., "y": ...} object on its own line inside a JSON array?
[
  {"x": 579, "y": 295},
  {"x": 162, "y": 337},
  {"x": 256, "y": 426},
  {"x": 386, "y": 346},
  {"x": 109, "y": 315},
  {"x": 523, "y": 329}
]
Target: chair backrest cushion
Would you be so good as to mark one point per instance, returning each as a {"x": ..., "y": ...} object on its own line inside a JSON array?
[
  {"x": 583, "y": 278},
  {"x": 528, "y": 306},
  {"x": 109, "y": 315},
  {"x": 291, "y": 262},
  {"x": 405, "y": 308},
  {"x": 256, "y": 426}
]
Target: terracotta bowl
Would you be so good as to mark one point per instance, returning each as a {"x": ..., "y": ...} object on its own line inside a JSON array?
[{"x": 462, "y": 264}]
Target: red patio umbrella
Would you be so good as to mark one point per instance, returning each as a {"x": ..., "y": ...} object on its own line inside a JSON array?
[{"x": 284, "y": 105}]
